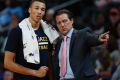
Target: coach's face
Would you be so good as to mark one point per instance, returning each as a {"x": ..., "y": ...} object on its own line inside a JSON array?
[{"x": 63, "y": 23}]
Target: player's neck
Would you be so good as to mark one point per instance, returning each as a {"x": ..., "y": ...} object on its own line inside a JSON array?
[{"x": 34, "y": 24}]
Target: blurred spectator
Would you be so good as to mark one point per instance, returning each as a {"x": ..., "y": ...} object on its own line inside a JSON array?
[
  {"x": 15, "y": 19},
  {"x": 113, "y": 46},
  {"x": 116, "y": 75},
  {"x": 93, "y": 17},
  {"x": 4, "y": 27},
  {"x": 114, "y": 52},
  {"x": 4, "y": 21},
  {"x": 104, "y": 64},
  {"x": 101, "y": 3},
  {"x": 12, "y": 8},
  {"x": 104, "y": 60},
  {"x": 113, "y": 49},
  {"x": 98, "y": 22},
  {"x": 112, "y": 15},
  {"x": 49, "y": 16}
]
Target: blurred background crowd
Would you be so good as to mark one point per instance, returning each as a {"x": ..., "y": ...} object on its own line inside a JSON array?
[{"x": 99, "y": 15}]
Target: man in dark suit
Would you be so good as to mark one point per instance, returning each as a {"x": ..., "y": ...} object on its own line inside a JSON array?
[{"x": 77, "y": 64}]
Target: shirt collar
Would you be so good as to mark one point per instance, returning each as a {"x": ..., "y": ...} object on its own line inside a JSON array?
[{"x": 70, "y": 33}]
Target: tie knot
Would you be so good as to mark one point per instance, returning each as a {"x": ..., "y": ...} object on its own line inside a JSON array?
[{"x": 65, "y": 37}]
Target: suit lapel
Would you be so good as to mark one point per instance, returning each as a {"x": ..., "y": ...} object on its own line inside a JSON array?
[
  {"x": 58, "y": 45},
  {"x": 72, "y": 41}
]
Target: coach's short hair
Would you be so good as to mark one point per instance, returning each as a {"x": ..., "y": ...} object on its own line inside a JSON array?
[{"x": 63, "y": 11}]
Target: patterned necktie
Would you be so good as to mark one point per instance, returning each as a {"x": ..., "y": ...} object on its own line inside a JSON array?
[{"x": 63, "y": 58}]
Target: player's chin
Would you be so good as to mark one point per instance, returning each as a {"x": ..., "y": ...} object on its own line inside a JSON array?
[{"x": 37, "y": 19}]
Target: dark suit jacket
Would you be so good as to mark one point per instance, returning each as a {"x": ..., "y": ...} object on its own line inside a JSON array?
[{"x": 80, "y": 62}]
